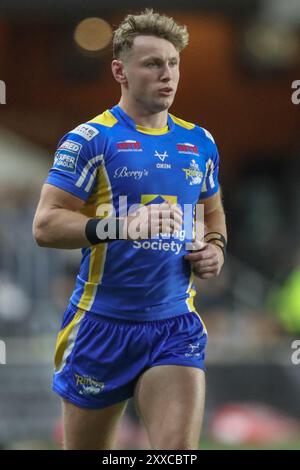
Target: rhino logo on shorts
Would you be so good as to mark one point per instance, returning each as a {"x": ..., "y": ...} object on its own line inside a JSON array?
[{"x": 88, "y": 385}]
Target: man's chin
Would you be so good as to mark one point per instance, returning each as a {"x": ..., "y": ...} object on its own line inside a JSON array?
[{"x": 163, "y": 104}]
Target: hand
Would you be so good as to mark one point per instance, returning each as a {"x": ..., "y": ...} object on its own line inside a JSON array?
[
  {"x": 152, "y": 220},
  {"x": 207, "y": 261}
]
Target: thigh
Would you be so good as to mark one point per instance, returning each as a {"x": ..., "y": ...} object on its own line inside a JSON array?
[
  {"x": 97, "y": 360},
  {"x": 90, "y": 429},
  {"x": 170, "y": 401}
]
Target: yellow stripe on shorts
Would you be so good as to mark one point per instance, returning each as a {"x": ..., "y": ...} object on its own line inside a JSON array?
[
  {"x": 190, "y": 301},
  {"x": 204, "y": 326},
  {"x": 66, "y": 340}
]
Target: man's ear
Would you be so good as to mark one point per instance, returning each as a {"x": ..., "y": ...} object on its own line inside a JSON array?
[{"x": 118, "y": 70}]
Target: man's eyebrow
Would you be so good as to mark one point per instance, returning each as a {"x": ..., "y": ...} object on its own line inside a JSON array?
[{"x": 154, "y": 57}]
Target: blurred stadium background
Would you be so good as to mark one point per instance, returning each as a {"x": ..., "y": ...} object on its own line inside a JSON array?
[{"x": 236, "y": 81}]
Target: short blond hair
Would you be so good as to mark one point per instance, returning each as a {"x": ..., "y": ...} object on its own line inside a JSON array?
[{"x": 148, "y": 23}]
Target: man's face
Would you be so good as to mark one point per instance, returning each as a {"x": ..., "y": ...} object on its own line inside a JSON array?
[{"x": 152, "y": 71}]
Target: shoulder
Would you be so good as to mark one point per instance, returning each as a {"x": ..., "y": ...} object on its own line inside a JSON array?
[
  {"x": 195, "y": 128},
  {"x": 199, "y": 132},
  {"x": 100, "y": 123},
  {"x": 182, "y": 123},
  {"x": 90, "y": 131},
  {"x": 105, "y": 120}
]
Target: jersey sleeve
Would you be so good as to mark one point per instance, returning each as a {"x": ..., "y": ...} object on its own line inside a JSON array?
[
  {"x": 75, "y": 166},
  {"x": 211, "y": 181}
]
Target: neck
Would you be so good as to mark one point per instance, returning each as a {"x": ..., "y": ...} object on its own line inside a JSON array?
[{"x": 142, "y": 117}]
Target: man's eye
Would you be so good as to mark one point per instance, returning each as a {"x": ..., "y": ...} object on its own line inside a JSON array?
[{"x": 150, "y": 64}]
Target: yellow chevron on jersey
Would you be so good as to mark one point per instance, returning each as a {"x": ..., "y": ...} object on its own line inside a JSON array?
[
  {"x": 182, "y": 123},
  {"x": 147, "y": 198},
  {"x": 106, "y": 119}
]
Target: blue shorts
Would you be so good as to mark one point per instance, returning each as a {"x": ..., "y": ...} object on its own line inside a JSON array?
[{"x": 98, "y": 360}]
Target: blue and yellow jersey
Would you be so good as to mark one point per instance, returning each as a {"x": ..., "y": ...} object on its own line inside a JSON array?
[{"x": 111, "y": 157}]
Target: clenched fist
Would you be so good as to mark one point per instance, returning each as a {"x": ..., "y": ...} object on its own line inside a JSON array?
[
  {"x": 206, "y": 261},
  {"x": 152, "y": 220}
]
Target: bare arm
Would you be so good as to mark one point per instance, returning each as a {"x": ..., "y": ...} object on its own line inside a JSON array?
[
  {"x": 214, "y": 216},
  {"x": 208, "y": 261},
  {"x": 57, "y": 222}
]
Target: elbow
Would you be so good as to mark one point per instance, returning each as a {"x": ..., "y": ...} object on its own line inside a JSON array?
[
  {"x": 40, "y": 239},
  {"x": 40, "y": 231}
]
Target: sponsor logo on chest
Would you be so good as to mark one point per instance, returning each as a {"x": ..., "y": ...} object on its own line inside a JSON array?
[
  {"x": 124, "y": 172},
  {"x": 129, "y": 146},
  {"x": 162, "y": 157},
  {"x": 188, "y": 149}
]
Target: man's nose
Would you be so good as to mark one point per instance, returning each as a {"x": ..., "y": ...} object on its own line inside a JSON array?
[{"x": 166, "y": 73}]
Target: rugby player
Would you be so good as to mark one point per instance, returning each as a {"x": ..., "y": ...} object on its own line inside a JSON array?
[{"x": 131, "y": 329}]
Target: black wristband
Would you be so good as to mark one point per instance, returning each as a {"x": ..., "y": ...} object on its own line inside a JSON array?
[
  {"x": 103, "y": 230},
  {"x": 218, "y": 239}
]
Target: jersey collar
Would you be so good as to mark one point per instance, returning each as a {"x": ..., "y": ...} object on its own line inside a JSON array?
[{"x": 127, "y": 120}]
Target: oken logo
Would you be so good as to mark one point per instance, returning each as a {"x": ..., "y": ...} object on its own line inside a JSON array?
[
  {"x": 296, "y": 94},
  {"x": 2, "y": 92},
  {"x": 296, "y": 354},
  {"x": 2, "y": 352}
]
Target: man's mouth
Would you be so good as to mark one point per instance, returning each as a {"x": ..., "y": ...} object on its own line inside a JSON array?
[{"x": 165, "y": 91}]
